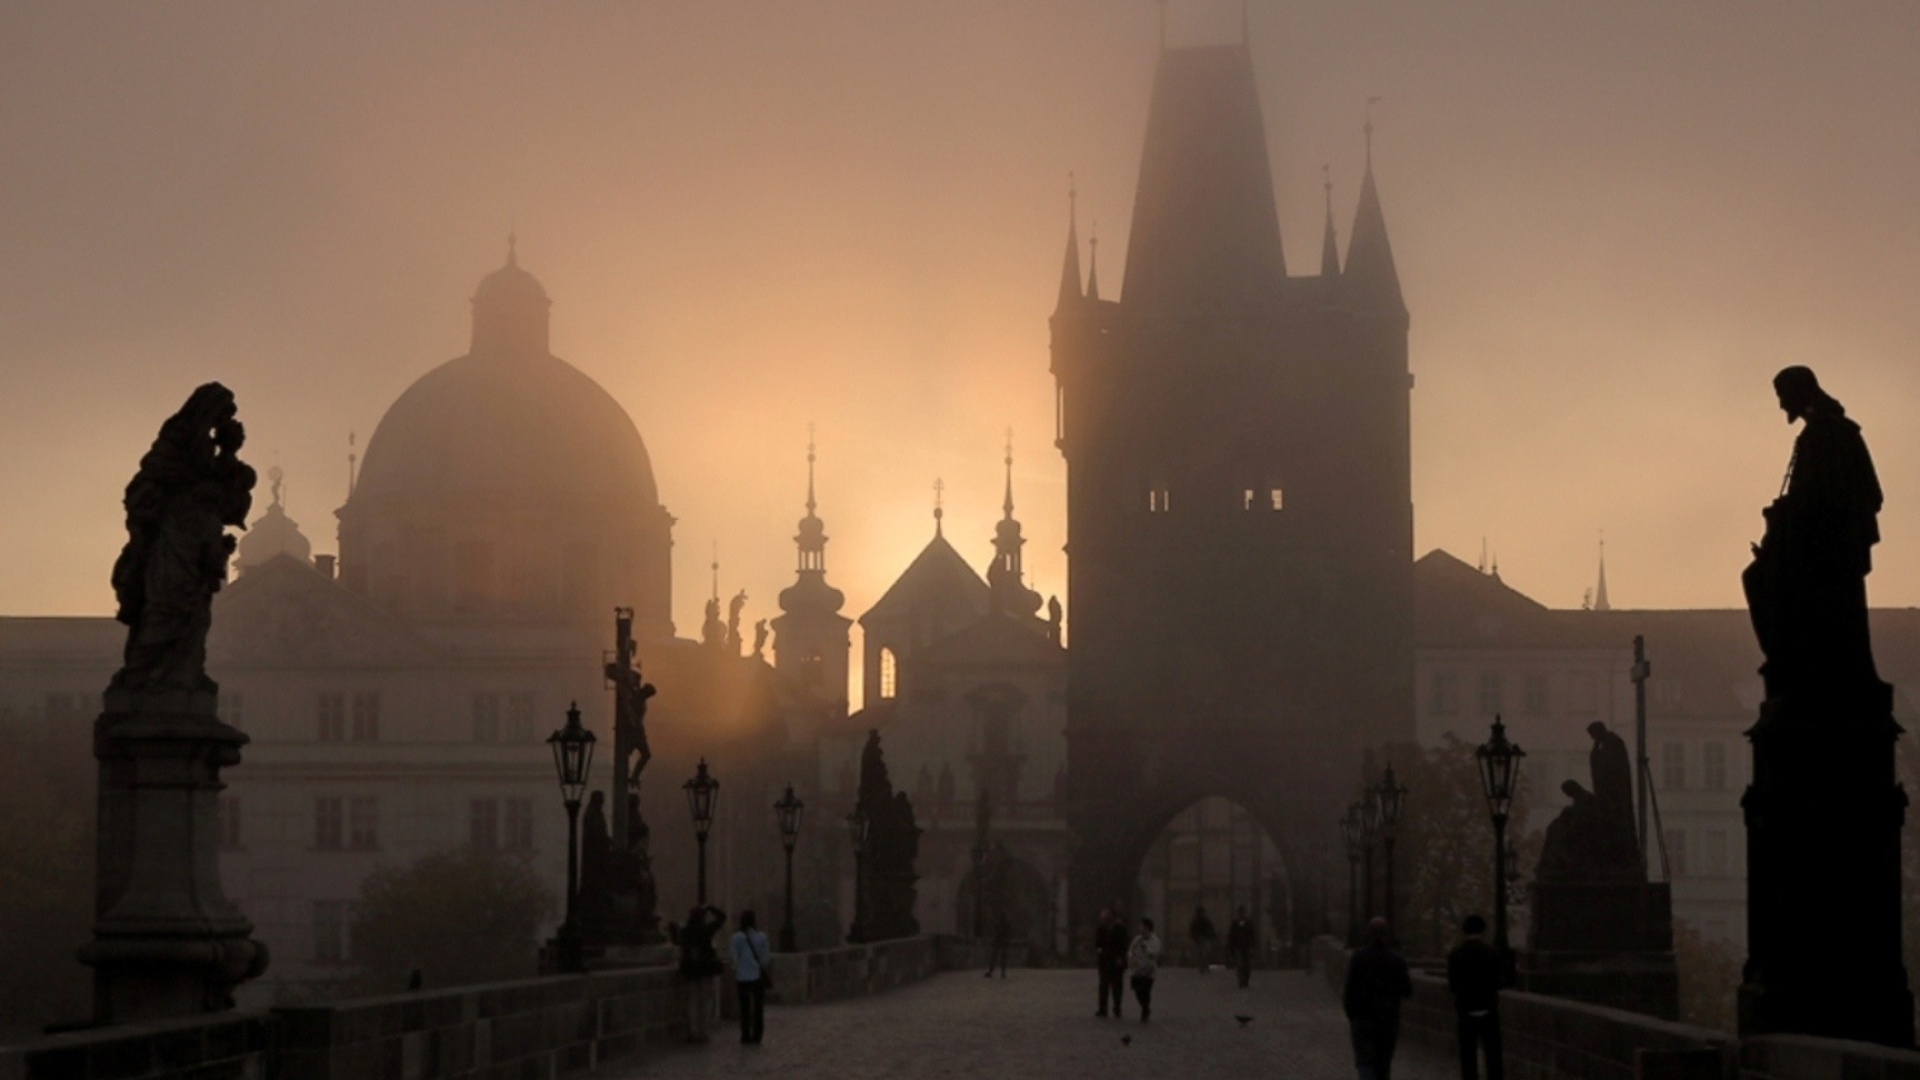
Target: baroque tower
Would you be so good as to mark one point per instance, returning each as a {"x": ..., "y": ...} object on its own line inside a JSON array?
[
  {"x": 810, "y": 639},
  {"x": 1240, "y": 521}
]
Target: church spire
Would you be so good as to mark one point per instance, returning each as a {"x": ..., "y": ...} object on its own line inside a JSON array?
[
  {"x": 1600, "y": 588},
  {"x": 1070, "y": 266},
  {"x": 1329, "y": 244},
  {"x": 1093, "y": 264},
  {"x": 1371, "y": 280},
  {"x": 811, "y": 593},
  {"x": 1004, "y": 578},
  {"x": 939, "y": 510}
]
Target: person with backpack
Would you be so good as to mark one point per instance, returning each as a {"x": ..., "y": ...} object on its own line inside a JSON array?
[{"x": 752, "y": 976}]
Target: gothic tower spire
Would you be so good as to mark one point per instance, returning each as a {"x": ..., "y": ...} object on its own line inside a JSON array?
[
  {"x": 1005, "y": 576},
  {"x": 1371, "y": 280},
  {"x": 1070, "y": 265},
  {"x": 1329, "y": 244}
]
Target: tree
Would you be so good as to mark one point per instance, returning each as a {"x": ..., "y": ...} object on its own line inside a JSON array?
[
  {"x": 1709, "y": 977},
  {"x": 1444, "y": 847},
  {"x": 457, "y": 917}
]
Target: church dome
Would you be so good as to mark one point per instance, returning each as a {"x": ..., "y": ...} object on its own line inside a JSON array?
[
  {"x": 272, "y": 533},
  {"x": 507, "y": 483},
  {"x": 509, "y": 417}
]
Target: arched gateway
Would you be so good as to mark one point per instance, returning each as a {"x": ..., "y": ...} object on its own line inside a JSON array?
[{"x": 1240, "y": 514}]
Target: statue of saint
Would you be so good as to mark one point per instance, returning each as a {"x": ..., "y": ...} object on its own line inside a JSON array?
[
  {"x": 1807, "y": 585},
  {"x": 191, "y": 486},
  {"x": 1593, "y": 838}
]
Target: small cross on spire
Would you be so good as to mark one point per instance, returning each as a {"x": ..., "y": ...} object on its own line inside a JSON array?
[{"x": 939, "y": 511}]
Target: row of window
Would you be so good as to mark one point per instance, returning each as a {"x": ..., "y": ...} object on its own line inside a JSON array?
[
  {"x": 341, "y": 717},
  {"x": 1266, "y": 499},
  {"x": 1675, "y": 775},
  {"x": 353, "y": 824},
  {"x": 1444, "y": 694},
  {"x": 1714, "y": 857}
]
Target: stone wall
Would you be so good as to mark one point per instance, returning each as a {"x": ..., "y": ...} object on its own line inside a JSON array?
[
  {"x": 229, "y": 1046},
  {"x": 850, "y": 971},
  {"x": 1800, "y": 1057}
]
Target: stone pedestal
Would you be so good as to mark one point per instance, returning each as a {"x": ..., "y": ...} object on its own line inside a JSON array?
[
  {"x": 1603, "y": 942},
  {"x": 166, "y": 941},
  {"x": 1824, "y": 815}
]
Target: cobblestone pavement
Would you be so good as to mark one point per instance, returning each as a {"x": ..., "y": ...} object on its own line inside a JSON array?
[{"x": 1039, "y": 1025}]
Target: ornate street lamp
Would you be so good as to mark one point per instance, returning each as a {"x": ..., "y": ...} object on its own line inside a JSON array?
[
  {"x": 787, "y": 811},
  {"x": 857, "y": 824},
  {"x": 1499, "y": 762},
  {"x": 572, "y": 756},
  {"x": 1390, "y": 797},
  {"x": 703, "y": 791},
  {"x": 1350, "y": 834},
  {"x": 1369, "y": 835}
]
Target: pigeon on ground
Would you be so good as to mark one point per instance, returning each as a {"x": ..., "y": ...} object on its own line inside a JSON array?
[{"x": 1244, "y": 1020}]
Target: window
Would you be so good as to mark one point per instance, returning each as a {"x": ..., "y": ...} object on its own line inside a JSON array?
[
  {"x": 330, "y": 931},
  {"x": 1677, "y": 852},
  {"x": 1276, "y": 499},
  {"x": 889, "y": 674},
  {"x": 1673, "y": 766},
  {"x": 1490, "y": 693},
  {"x": 1443, "y": 693},
  {"x": 520, "y": 718},
  {"x": 229, "y": 823},
  {"x": 1533, "y": 694},
  {"x": 363, "y": 824},
  {"x": 516, "y": 824},
  {"x": 329, "y": 825},
  {"x": 331, "y": 717},
  {"x": 1713, "y": 766},
  {"x": 1582, "y": 696},
  {"x": 1159, "y": 500},
  {"x": 366, "y": 716},
  {"x": 232, "y": 710},
  {"x": 1713, "y": 853},
  {"x": 486, "y": 718},
  {"x": 483, "y": 824}
]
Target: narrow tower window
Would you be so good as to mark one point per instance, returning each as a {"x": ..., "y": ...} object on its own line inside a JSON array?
[{"x": 889, "y": 674}]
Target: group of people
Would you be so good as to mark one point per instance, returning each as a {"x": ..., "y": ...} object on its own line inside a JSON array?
[
  {"x": 1135, "y": 957},
  {"x": 700, "y": 966},
  {"x": 1377, "y": 982}
]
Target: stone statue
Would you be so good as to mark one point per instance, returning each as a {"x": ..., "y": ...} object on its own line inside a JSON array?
[
  {"x": 1806, "y": 588},
  {"x": 884, "y": 909},
  {"x": 1594, "y": 839},
  {"x": 189, "y": 489},
  {"x": 734, "y": 607},
  {"x": 712, "y": 631},
  {"x": 759, "y": 638}
]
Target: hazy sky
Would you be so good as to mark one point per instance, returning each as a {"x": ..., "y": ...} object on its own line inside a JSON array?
[{"x": 1613, "y": 222}]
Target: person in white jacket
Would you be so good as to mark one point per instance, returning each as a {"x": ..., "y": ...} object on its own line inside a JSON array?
[{"x": 1143, "y": 963}]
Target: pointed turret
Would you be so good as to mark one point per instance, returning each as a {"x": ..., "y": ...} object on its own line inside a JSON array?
[
  {"x": 1070, "y": 266},
  {"x": 1004, "y": 577},
  {"x": 1371, "y": 280},
  {"x": 1329, "y": 243},
  {"x": 1600, "y": 589},
  {"x": 810, "y": 642},
  {"x": 1093, "y": 266},
  {"x": 1205, "y": 233}
]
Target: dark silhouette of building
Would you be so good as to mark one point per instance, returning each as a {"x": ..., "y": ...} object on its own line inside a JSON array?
[{"x": 1239, "y": 499}]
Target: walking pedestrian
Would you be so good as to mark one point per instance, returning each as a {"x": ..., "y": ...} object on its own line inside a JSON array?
[
  {"x": 1203, "y": 935},
  {"x": 700, "y": 969},
  {"x": 1475, "y": 973},
  {"x": 1241, "y": 942},
  {"x": 1143, "y": 961},
  {"x": 1377, "y": 982},
  {"x": 752, "y": 976},
  {"x": 1002, "y": 942},
  {"x": 1110, "y": 956}
]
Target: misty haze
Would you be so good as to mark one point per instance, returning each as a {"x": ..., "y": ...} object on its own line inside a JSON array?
[{"x": 1296, "y": 537}]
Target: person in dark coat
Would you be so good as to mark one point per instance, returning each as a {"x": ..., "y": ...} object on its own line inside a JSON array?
[
  {"x": 700, "y": 969},
  {"x": 1377, "y": 982},
  {"x": 1110, "y": 956},
  {"x": 1203, "y": 934},
  {"x": 1475, "y": 975},
  {"x": 1002, "y": 943},
  {"x": 1241, "y": 942}
]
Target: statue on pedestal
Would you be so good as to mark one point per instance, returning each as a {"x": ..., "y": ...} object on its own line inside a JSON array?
[
  {"x": 1824, "y": 812},
  {"x": 884, "y": 908},
  {"x": 166, "y": 941},
  {"x": 618, "y": 896}
]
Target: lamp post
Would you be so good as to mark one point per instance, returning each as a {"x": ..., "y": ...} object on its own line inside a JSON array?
[
  {"x": 1499, "y": 762},
  {"x": 1390, "y": 796},
  {"x": 1369, "y": 835},
  {"x": 857, "y": 831},
  {"x": 788, "y": 811},
  {"x": 1350, "y": 834},
  {"x": 572, "y": 748},
  {"x": 702, "y": 792}
]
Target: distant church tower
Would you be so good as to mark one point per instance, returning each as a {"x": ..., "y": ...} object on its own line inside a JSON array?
[
  {"x": 1240, "y": 520},
  {"x": 810, "y": 639}
]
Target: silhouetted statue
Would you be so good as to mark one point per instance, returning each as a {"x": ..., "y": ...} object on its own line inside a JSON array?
[
  {"x": 1594, "y": 838},
  {"x": 190, "y": 487},
  {"x": 759, "y": 638},
  {"x": 1612, "y": 770},
  {"x": 619, "y": 897},
  {"x": 734, "y": 607},
  {"x": 1824, "y": 811},
  {"x": 1806, "y": 588},
  {"x": 712, "y": 630}
]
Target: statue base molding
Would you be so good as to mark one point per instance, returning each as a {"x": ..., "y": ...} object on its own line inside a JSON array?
[
  {"x": 1824, "y": 814},
  {"x": 166, "y": 941},
  {"x": 1605, "y": 943}
]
